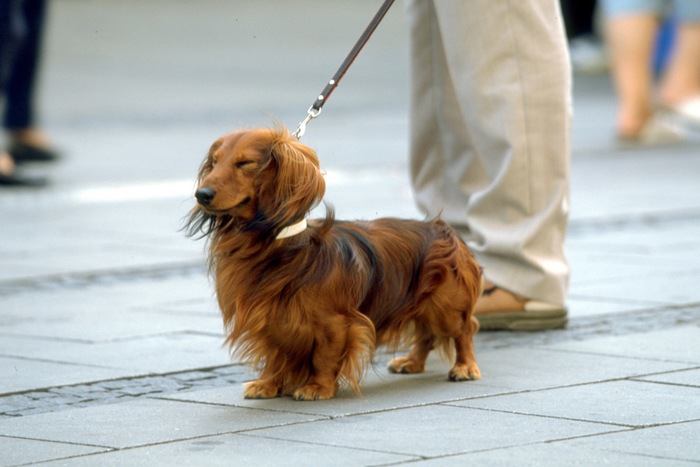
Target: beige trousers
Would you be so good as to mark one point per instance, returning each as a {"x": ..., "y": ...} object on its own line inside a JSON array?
[{"x": 490, "y": 119}]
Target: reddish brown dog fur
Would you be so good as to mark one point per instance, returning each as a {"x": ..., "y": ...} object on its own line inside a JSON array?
[{"x": 310, "y": 309}]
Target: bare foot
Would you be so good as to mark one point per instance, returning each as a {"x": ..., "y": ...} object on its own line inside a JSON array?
[
  {"x": 495, "y": 300},
  {"x": 7, "y": 164}
]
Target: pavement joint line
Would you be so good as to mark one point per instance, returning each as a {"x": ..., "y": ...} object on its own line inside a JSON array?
[
  {"x": 624, "y": 301},
  {"x": 185, "y": 332},
  {"x": 316, "y": 443},
  {"x": 666, "y": 383},
  {"x": 238, "y": 406},
  {"x": 49, "y": 338},
  {"x": 84, "y": 279},
  {"x": 528, "y": 414},
  {"x": 627, "y": 357},
  {"x": 498, "y": 448},
  {"x": 667, "y": 372},
  {"x": 58, "y": 362},
  {"x": 652, "y": 456},
  {"x": 73, "y": 443},
  {"x": 582, "y": 226}
]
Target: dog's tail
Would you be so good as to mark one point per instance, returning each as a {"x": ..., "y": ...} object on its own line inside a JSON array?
[{"x": 358, "y": 351}]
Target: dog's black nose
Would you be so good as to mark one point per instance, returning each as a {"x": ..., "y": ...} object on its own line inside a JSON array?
[{"x": 205, "y": 195}]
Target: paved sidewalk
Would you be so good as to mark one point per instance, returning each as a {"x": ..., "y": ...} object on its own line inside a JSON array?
[{"x": 110, "y": 340}]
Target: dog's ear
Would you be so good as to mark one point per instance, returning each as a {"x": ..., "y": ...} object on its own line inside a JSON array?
[{"x": 294, "y": 185}]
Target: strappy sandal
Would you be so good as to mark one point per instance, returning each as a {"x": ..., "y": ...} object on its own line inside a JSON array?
[
  {"x": 18, "y": 181},
  {"x": 23, "y": 153},
  {"x": 499, "y": 309},
  {"x": 9, "y": 175}
]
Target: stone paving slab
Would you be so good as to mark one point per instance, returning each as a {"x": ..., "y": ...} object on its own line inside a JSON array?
[
  {"x": 526, "y": 368},
  {"x": 111, "y": 291},
  {"x": 157, "y": 354},
  {"x": 666, "y": 241},
  {"x": 380, "y": 391},
  {"x": 199, "y": 306},
  {"x": 126, "y": 309},
  {"x": 680, "y": 344},
  {"x": 677, "y": 441},
  {"x": 15, "y": 451},
  {"x": 588, "y": 306},
  {"x": 599, "y": 194},
  {"x": 18, "y": 374},
  {"x": 433, "y": 430},
  {"x": 142, "y": 422},
  {"x": 678, "y": 288},
  {"x": 592, "y": 264},
  {"x": 685, "y": 378},
  {"x": 503, "y": 371},
  {"x": 554, "y": 455},
  {"x": 107, "y": 326},
  {"x": 227, "y": 450},
  {"x": 631, "y": 403}
]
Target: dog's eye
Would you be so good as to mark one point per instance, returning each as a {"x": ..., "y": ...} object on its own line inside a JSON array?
[{"x": 244, "y": 164}]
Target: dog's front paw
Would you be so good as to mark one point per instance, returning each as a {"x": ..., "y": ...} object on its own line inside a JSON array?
[
  {"x": 464, "y": 372},
  {"x": 314, "y": 391},
  {"x": 406, "y": 365},
  {"x": 260, "y": 389}
]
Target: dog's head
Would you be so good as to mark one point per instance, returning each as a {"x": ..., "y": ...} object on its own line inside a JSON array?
[{"x": 262, "y": 179}]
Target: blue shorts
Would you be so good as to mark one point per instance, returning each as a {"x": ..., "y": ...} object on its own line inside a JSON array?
[{"x": 685, "y": 11}]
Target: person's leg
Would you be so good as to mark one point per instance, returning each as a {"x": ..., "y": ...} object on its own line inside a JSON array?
[
  {"x": 631, "y": 40},
  {"x": 440, "y": 151},
  {"x": 28, "y": 141},
  {"x": 490, "y": 114},
  {"x": 12, "y": 32},
  {"x": 578, "y": 17},
  {"x": 631, "y": 29},
  {"x": 22, "y": 77},
  {"x": 8, "y": 39},
  {"x": 682, "y": 78}
]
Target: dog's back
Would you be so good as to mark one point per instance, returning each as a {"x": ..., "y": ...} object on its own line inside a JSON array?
[{"x": 415, "y": 272}]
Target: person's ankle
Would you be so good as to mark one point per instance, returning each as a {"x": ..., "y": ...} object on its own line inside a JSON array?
[
  {"x": 674, "y": 97},
  {"x": 30, "y": 137},
  {"x": 631, "y": 123},
  {"x": 496, "y": 299}
]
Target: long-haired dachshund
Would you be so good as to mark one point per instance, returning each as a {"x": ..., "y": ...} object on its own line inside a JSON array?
[{"x": 308, "y": 303}]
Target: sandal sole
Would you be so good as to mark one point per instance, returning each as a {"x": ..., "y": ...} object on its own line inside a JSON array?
[{"x": 523, "y": 321}]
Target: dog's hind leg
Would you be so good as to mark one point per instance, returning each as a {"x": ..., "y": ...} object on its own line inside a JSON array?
[
  {"x": 414, "y": 362},
  {"x": 465, "y": 367}
]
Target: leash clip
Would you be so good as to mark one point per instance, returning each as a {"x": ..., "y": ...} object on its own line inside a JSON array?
[{"x": 310, "y": 115}]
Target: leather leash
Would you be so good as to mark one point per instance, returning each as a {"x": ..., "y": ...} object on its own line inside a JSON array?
[{"x": 315, "y": 109}]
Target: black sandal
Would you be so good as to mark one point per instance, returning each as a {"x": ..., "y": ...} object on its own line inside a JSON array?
[
  {"x": 22, "y": 153},
  {"x": 16, "y": 180}
]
